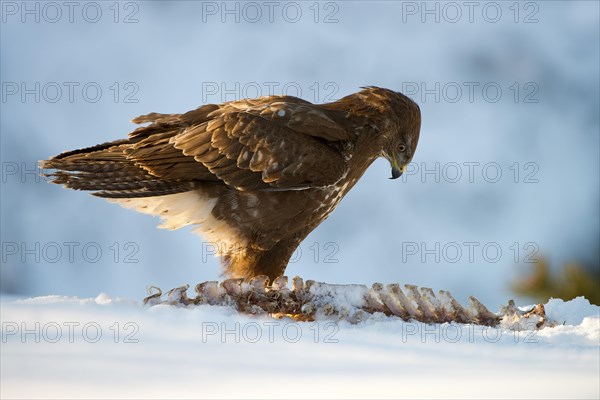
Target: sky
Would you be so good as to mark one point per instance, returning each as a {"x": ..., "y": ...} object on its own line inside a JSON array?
[{"x": 506, "y": 169}]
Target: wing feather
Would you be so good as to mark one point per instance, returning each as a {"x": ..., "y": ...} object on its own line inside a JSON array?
[
  {"x": 259, "y": 144},
  {"x": 269, "y": 143}
]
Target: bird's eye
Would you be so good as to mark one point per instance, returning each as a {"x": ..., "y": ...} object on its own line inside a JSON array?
[{"x": 401, "y": 147}]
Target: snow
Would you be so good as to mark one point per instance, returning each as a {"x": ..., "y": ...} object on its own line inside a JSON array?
[
  {"x": 112, "y": 347},
  {"x": 341, "y": 295}
]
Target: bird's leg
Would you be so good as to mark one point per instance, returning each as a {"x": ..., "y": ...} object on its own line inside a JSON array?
[{"x": 256, "y": 262}]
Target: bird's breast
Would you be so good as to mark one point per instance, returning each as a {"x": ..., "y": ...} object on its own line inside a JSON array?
[{"x": 270, "y": 216}]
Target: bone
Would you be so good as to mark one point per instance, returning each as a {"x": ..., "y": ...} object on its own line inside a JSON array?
[
  {"x": 396, "y": 293},
  {"x": 390, "y": 302},
  {"x": 297, "y": 284},
  {"x": 233, "y": 287},
  {"x": 452, "y": 308},
  {"x": 259, "y": 283},
  {"x": 178, "y": 295},
  {"x": 312, "y": 300},
  {"x": 482, "y": 315},
  {"x": 422, "y": 305},
  {"x": 209, "y": 290}
]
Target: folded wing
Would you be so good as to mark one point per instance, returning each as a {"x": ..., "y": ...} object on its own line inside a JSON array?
[{"x": 275, "y": 143}]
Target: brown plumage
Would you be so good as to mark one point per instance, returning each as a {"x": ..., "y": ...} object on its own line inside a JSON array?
[{"x": 255, "y": 176}]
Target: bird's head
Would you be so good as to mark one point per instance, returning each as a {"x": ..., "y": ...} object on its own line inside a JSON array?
[
  {"x": 395, "y": 121},
  {"x": 401, "y": 133}
]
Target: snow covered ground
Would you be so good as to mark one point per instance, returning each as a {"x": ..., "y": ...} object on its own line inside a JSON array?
[{"x": 67, "y": 347}]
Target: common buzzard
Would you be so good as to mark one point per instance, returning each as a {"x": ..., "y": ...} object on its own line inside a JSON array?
[{"x": 254, "y": 176}]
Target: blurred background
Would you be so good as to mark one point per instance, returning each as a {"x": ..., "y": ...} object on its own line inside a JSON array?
[{"x": 501, "y": 201}]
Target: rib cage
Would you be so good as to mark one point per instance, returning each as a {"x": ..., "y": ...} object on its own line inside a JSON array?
[{"x": 311, "y": 300}]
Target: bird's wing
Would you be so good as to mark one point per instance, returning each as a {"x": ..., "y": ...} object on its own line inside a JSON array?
[{"x": 249, "y": 144}]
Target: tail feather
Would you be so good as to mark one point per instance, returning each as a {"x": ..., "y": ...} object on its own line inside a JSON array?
[
  {"x": 107, "y": 170},
  {"x": 87, "y": 150},
  {"x": 145, "y": 164}
]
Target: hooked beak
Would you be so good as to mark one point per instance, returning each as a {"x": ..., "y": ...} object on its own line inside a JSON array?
[{"x": 397, "y": 171}]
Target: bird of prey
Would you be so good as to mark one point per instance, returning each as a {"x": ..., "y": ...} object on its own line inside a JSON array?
[{"x": 253, "y": 176}]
